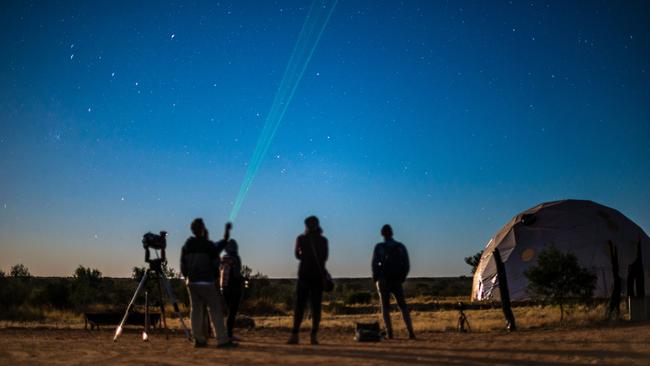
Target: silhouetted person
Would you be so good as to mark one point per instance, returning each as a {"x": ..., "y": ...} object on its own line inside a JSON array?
[
  {"x": 635, "y": 275},
  {"x": 312, "y": 252},
  {"x": 502, "y": 279},
  {"x": 200, "y": 267},
  {"x": 390, "y": 266},
  {"x": 613, "y": 310},
  {"x": 231, "y": 283}
]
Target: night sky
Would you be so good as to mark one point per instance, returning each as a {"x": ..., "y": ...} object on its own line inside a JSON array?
[{"x": 444, "y": 119}]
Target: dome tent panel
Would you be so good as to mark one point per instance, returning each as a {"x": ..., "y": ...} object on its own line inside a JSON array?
[{"x": 577, "y": 226}]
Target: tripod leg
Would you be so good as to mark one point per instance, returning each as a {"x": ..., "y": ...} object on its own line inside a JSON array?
[
  {"x": 172, "y": 299},
  {"x": 162, "y": 308},
  {"x": 145, "y": 336},
  {"x": 118, "y": 331}
]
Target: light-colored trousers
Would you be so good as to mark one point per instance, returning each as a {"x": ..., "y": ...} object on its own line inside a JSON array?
[{"x": 202, "y": 295}]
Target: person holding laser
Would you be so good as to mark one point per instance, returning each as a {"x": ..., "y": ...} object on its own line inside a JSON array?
[{"x": 200, "y": 267}]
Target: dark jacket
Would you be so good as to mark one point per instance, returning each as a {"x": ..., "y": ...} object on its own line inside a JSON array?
[
  {"x": 379, "y": 255},
  {"x": 312, "y": 251},
  {"x": 200, "y": 260}
]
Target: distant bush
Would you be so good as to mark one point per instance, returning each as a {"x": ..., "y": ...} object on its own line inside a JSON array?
[
  {"x": 86, "y": 287},
  {"x": 20, "y": 271},
  {"x": 23, "y": 314},
  {"x": 13, "y": 293},
  {"x": 360, "y": 297},
  {"x": 440, "y": 287},
  {"x": 55, "y": 294},
  {"x": 88, "y": 290},
  {"x": 15, "y": 290},
  {"x": 261, "y": 306},
  {"x": 289, "y": 302},
  {"x": 474, "y": 260},
  {"x": 336, "y": 308}
]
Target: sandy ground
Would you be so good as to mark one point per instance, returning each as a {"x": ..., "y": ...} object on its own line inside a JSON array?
[{"x": 615, "y": 345}]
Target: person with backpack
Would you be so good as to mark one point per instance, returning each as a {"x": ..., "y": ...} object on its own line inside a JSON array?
[
  {"x": 231, "y": 283},
  {"x": 200, "y": 268},
  {"x": 312, "y": 252},
  {"x": 390, "y": 266}
]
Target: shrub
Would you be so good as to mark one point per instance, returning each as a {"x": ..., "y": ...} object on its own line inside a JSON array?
[
  {"x": 336, "y": 307},
  {"x": 55, "y": 294},
  {"x": 474, "y": 260},
  {"x": 360, "y": 297},
  {"x": 20, "y": 271},
  {"x": 14, "y": 292},
  {"x": 261, "y": 306},
  {"x": 86, "y": 287},
  {"x": 559, "y": 278}
]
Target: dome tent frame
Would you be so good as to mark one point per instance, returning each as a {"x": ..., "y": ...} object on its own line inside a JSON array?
[{"x": 578, "y": 226}]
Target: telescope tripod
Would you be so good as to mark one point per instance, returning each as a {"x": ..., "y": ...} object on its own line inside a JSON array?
[{"x": 155, "y": 269}]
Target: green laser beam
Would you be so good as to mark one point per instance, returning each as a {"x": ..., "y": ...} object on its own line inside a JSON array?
[{"x": 308, "y": 38}]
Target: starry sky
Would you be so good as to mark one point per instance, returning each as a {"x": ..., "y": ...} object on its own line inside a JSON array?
[{"x": 444, "y": 119}]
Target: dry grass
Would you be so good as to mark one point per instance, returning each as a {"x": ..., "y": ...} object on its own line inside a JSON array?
[
  {"x": 528, "y": 317},
  {"x": 32, "y": 316}
]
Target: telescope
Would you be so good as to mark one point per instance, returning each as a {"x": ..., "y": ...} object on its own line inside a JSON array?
[{"x": 157, "y": 242}]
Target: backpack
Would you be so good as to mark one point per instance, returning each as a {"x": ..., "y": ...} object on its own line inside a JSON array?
[
  {"x": 395, "y": 262},
  {"x": 367, "y": 332},
  {"x": 231, "y": 276}
]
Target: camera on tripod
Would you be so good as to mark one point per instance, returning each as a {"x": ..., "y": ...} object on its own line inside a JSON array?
[{"x": 155, "y": 242}]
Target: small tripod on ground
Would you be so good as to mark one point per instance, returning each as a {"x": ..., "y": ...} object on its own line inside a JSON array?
[
  {"x": 157, "y": 242},
  {"x": 463, "y": 323}
]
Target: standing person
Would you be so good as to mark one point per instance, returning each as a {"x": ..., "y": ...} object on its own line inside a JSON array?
[
  {"x": 231, "y": 283},
  {"x": 200, "y": 267},
  {"x": 390, "y": 266},
  {"x": 312, "y": 252}
]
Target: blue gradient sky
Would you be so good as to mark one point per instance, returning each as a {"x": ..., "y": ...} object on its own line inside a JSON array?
[{"x": 444, "y": 119}]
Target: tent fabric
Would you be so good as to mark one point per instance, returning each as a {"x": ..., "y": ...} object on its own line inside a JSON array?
[{"x": 577, "y": 226}]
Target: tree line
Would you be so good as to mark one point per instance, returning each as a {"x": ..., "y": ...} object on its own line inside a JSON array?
[{"x": 88, "y": 290}]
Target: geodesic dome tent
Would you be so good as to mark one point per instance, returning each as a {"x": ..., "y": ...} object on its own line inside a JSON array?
[{"x": 581, "y": 227}]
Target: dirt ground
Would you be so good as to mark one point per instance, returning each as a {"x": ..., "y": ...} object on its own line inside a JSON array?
[{"x": 615, "y": 345}]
